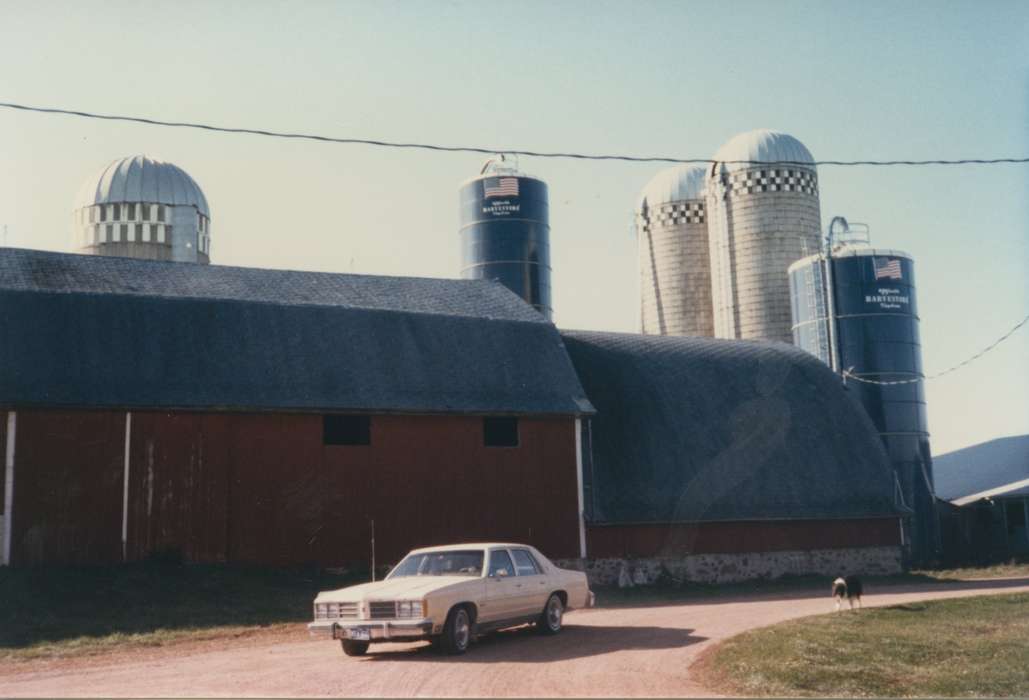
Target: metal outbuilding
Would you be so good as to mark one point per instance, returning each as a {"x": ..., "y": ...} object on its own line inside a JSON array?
[{"x": 984, "y": 500}]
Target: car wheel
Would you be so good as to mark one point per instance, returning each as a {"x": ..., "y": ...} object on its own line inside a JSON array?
[
  {"x": 552, "y": 615},
  {"x": 354, "y": 648},
  {"x": 457, "y": 632}
]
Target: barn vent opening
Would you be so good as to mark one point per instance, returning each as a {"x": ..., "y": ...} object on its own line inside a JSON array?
[
  {"x": 500, "y": 431},
  {"x": 346, "y": 430}
]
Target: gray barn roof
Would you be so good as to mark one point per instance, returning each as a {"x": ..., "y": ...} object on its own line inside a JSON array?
[
  {"x": 997, "y": 468},
  {"x": 93, "y": 331},
  {"x": 698, "y": 429}
]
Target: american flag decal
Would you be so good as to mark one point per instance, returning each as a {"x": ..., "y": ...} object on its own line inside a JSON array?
[
  {"x": 500, "y": 187},
  {"x": 887, "y": 267}
]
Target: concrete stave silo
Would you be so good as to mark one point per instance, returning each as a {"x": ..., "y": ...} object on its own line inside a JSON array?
[
  {"x": 855, "y": 308},
  {"x": 763, "y": 214},
  {"x": 139, "y": 207},
  {"x": 505, "y": 232},
  {"x": 672, "y": 238}
]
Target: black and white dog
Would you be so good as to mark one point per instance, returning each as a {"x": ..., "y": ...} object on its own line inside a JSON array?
[{"x": 848, "y": 587}]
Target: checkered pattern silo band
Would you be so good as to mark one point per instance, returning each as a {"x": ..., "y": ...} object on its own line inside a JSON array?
[
  {"x": 677, "y": 213},
  {"x": 773, "y": 180}
]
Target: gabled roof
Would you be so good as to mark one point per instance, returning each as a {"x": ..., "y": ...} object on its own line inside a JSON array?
[
  {"x": 698, "y": 429},
  {"x": 996, "y": 468},
  {"x": 92, "y": 331}
]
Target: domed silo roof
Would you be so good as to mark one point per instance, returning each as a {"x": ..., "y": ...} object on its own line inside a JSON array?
[
  {"x": 142, "y": 179},
  {"x": 675, "y": 184},
  {"x": 763, "y": 145}
]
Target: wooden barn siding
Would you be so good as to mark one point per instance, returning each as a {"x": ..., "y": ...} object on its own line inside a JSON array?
[
  {"x": 262, "y": 488},
  {"x": 738, "y": 537},
  {"x": 68, "y": 487}
]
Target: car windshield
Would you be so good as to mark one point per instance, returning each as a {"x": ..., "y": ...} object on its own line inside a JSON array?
[{"x": 451, "y": 563}]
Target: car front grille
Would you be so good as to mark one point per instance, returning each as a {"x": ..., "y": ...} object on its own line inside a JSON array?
[
  {"x": 381, "y": 610},
  {"x": 335, "y": 611}
]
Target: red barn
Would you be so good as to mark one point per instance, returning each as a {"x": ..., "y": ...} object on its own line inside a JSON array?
[{"x": 265, "y": 416}]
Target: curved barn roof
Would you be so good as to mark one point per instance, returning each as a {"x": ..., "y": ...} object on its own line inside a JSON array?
[
  {"x": 142, "y": 179},
  {"x": 699, "y": 429},
  {"x": 96, "y": 331}
]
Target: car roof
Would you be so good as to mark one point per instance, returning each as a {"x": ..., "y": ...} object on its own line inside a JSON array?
[{"x": 468, "y": 545}]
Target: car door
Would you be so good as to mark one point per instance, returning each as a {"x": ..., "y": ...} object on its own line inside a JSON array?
[
  {"x": 502, "y": 588},
  {"x": 533, "y": 591}
]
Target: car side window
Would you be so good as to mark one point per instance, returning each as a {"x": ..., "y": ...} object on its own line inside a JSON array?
[
  {"x": 500, "y": 563},
  {"x": 524, "y": 564}
]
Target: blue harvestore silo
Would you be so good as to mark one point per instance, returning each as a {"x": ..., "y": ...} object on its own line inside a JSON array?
[
  {"x": 505, "y": 232},
  {"x": 855, "y": 308}
]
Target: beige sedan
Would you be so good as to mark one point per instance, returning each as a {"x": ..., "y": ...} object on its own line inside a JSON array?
[{"x": 449, "y": 595}]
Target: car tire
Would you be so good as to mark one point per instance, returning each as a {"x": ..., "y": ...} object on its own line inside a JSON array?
[
  {"x": 552, "y": 617},
  {"x": 354, "y": 648},
  {"x": 457, "y": 632}
]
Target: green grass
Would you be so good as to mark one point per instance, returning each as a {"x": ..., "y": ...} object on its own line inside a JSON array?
[
  {"x": 1018, "y": 566},
  {"x": 965, "y": 647},
  {"x": 65, "y": 611}
]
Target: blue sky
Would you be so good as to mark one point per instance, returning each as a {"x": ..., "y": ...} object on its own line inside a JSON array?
[{"x": 851, "y": 80}]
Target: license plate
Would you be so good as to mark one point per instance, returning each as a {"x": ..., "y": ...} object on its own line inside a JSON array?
[{"x": 357, "y": 633}]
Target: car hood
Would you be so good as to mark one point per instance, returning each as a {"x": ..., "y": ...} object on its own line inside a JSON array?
[{"x": 394, "y": 589}]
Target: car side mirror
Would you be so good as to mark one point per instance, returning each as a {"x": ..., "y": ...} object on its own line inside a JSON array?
[{"x": 501, "y": 573}]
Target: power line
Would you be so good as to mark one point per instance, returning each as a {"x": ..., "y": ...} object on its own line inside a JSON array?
[
  {"x": 492, "y": 151},
  {"x": 991, "y": 346}
]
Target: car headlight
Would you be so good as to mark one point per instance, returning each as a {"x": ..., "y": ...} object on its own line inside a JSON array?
[{"x": 411, "y": 608}]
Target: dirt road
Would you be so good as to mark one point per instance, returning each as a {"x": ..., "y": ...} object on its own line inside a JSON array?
[{"x": 628, "y": 651}]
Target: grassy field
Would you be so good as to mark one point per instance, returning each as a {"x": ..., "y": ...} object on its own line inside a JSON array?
[
  {"x": 1016, "y": 567},
  {"x": 51, "y": 612},
  {"x": 966, "y": 647}
]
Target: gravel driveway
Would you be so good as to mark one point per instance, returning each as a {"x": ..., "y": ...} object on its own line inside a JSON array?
[{"x": 627, "y": 651}]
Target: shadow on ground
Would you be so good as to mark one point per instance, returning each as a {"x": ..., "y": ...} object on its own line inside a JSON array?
[
  {"x": 526, "y": 645},
  {"x": 54, "y": 604}
]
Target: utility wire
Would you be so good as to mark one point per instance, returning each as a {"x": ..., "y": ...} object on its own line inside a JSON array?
[
  {"x": 847, "y": 374},
  {"x": 492, "y": 151},
  {"x": 544, "y": 154}
]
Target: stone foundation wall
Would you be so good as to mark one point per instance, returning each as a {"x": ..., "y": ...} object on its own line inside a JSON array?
[{"x": 726, "y": 568}]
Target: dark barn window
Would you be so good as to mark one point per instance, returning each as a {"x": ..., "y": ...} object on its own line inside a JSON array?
[
  {"x": 500, "y": 431},
  {"x": 347, "y": 430}
]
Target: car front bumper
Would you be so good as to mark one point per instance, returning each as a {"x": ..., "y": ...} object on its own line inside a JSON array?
[{"x": 377, "y": 631}]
